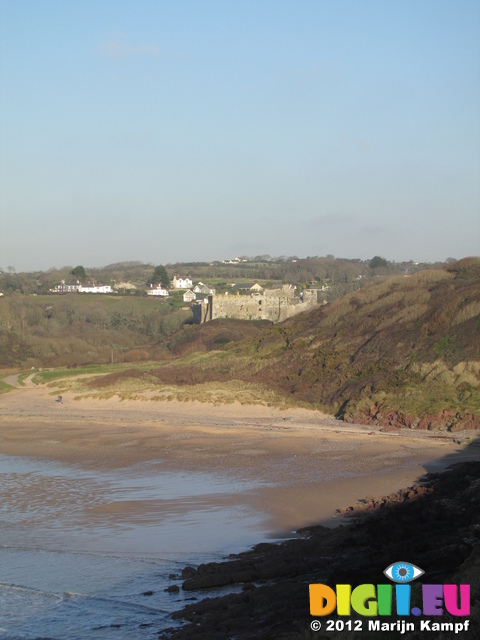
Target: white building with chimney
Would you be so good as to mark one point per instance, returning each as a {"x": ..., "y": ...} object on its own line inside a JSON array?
[{"x": 179, "y": 282}]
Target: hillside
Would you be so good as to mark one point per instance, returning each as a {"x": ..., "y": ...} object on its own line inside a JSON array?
[
  {"x": 52, "y": 330},
  {"x": 404, "y": 353},
  {"x": 39, "y": 328}
]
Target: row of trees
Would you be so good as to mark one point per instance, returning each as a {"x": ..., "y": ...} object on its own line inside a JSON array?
[{"x": 159, "y": 276}]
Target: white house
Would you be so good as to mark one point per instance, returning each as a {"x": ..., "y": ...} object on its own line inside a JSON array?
[
  {"x": 181, "y": 283},
  {"x": 96, "y": 288},
  {"x": 189, "y": 296},
  {"x": 158, "y": 291}
]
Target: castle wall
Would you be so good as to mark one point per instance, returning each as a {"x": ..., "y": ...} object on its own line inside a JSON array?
[{"x": 273, "y": 305}]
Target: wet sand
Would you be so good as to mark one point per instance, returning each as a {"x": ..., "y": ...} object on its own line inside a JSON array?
[{"x": 303, "y": 464}]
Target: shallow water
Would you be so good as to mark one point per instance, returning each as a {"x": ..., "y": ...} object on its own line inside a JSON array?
[
  {"x": 85, "y": 553},
  {"x": 79, "y": 549}
]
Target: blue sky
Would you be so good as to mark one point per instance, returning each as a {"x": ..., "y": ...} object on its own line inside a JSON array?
[{"x": 168, "y": 131}]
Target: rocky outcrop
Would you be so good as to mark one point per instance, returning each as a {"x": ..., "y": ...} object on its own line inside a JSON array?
[
  {"x": 446, "y": 420},
  {"x": 434, "y": 524}
]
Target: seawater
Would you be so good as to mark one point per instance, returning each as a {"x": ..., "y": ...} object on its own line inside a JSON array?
[{"x": 86, "y": 554}]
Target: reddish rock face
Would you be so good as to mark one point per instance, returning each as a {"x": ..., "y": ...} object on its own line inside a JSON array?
[
  {"x": 429, "y": 421},
  {"x": 468, "y": 422},
  {"x": 446, "y": 420}
]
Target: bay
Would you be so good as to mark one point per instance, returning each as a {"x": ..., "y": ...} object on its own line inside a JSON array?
[{"x": 87, "y": 553}]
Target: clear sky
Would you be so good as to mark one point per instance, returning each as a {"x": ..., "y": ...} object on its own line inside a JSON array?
[{"x": 178, "y": 130}]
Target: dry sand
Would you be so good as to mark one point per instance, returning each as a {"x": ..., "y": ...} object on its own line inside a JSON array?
[{"x": 305, "y": 464}]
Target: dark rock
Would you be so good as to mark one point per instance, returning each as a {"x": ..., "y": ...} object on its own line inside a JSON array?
[
  {"x": 173, "y": 588},
  {"x": 189, "y": 572},
  {"x": 434, "y": 525}
]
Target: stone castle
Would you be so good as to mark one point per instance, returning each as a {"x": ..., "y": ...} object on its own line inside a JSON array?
[{"x": 271, "y": 304}]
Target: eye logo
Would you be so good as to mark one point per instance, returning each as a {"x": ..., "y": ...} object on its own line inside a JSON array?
[{"x": 402, "y": 572}]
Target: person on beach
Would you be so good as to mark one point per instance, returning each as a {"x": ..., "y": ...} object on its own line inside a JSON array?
[{"x": 60, "y": 399}]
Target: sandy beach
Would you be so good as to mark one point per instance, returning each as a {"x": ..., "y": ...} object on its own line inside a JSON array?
[{"x": 305, "y": 464}]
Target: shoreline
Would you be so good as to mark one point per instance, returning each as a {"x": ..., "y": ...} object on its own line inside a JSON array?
[
  {"x": 434, "y": 525},
  {"x": 304, "y": 465},
  {"x": 307, "y": 471}
]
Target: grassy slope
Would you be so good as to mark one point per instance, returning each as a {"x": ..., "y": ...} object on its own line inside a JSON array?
[
  {"x": 405, "y": 352},
  {"x": 410, "y": 345}
]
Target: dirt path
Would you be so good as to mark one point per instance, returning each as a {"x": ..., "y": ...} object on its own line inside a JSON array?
[{"x": 13, "y": 381}]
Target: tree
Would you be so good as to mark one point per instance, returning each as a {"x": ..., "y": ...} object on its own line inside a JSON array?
[
  {"x": 79, "y": 273},
  {"x": 377, "y": 262},
  {"x": 160, "y": 276}
]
